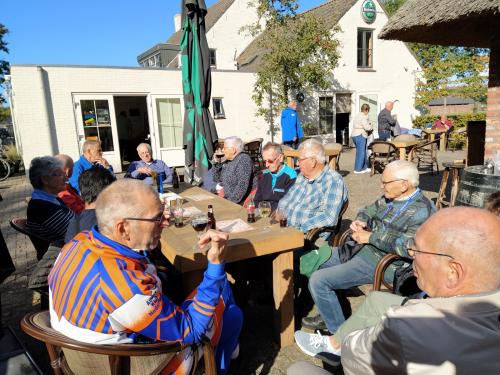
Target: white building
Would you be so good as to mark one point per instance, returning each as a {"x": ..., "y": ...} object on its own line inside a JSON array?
[{"x": 57, "y": 107}]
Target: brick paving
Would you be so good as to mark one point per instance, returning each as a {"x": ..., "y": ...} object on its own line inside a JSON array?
[{"x": 258, "y": 355}]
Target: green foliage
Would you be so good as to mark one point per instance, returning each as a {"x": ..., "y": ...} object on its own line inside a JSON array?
[
  {"x": 4, "y": 113},
  {"x": 4, "y": 65},
  {"x": 459, "y": 120},
  {"x": 11, "y": 154},
  {"x": 301, "y": 54},
  {"x": 391, "y": 6}
]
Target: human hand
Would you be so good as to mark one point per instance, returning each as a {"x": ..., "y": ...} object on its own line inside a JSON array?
[
  {"x": 357, "y": 225},
  {"x": 361, "y": 236},
  {"x": 102, "y": 162},
  {"x": 145, "y": 170},
  {"x": 166, "y": 213},
  {"x": 218, "y": 241},
  {"x": 295, "y": 139}
]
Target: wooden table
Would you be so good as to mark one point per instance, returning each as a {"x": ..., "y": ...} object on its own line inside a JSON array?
[
  {"x": 403, "y": 146},
  {"x": 178, "y": 243},
  {"x": 432, "y": 135},
  {"x": 332, "y": 151}
]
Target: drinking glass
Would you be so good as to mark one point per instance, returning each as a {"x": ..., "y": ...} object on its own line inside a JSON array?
[
  {"x": 281, "y": 217},
  {"x": 265, "y": 212},
  {"x": 199, "y": 224}
]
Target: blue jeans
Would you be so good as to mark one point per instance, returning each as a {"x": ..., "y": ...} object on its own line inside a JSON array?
[
  {"x": 332, "y": 276},
  {"x": 360, "y": 163},
  {"x": 384, "y": 135}
]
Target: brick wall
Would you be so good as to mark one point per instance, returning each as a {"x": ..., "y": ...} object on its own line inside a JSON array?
[{"x": 492, "y": 141}]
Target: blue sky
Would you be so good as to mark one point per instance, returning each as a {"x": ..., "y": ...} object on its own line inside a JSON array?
[{"x": 91, "y": 32}]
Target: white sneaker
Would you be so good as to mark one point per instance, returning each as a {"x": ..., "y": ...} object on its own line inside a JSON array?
[
  {"x": 367, "y": 170},
  {"x": 359, "y": 172},
  {"x": 314, "y": 343}
]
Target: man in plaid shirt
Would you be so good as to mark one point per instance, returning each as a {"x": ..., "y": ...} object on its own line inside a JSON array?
[{"x": 316, "y": 198}]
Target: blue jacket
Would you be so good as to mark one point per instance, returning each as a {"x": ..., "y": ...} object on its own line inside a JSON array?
[
  {"x": 290, "y": 125},
  {"x": 81, "y": 165}
]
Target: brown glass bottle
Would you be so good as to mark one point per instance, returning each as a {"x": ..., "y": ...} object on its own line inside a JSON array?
[{"x": 211, "y": 217}]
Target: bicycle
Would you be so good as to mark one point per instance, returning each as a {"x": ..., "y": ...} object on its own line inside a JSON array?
[{"x": 4, "y": 169}]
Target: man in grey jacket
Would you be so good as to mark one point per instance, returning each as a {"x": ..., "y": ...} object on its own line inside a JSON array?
[
  {"x": 455, "y": 330},
  {"x": 385, "y": 122}
]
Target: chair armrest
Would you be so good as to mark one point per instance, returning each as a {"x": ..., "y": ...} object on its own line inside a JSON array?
[
  {"x": 313, "y": 234},
  {"x": 382, "y": 265}
]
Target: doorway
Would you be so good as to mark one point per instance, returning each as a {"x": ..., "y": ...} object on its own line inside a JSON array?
[{"x": 133, "y": 126}]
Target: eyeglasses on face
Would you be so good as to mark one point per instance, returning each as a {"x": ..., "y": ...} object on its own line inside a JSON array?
[
  {"x": 411, "y": 247},
  {"x": 388, "y": 182},
  {"x": 271, "y": 161},
  {"x": 160, "y": 218},
  {"x": 300, "y": 160}
]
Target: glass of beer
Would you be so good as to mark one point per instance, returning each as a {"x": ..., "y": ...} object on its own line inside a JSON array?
[{"x": 265, "y": 212}]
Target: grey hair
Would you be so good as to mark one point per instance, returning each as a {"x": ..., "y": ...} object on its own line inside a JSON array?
[
  {"x": 147, "y": 145},
  {"x": 39, "y": 167},
  {"x": 404, "y": 170},
  {"x": 276, "y": 147},
  {"x": 235, "y": 142},
  {"x": 89, "y": 144},
  {"x": 313, "y": 147},
  {"x": 123, "y": 198}
]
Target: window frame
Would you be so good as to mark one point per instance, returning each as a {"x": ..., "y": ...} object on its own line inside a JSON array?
[
  {"x": 366, "y": 51},
  {"x": 213, "y": 56},
  {"x": 222, "y": 113}
]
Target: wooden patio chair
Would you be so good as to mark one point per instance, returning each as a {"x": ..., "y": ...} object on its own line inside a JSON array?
[
  {"x": 455, "y": 137},
  {"x": 426, "y": 153},
  {"x": 382, "y": 153},
  {"x": 39, "y": 244},
  {"x": 313, "y": 234},
  {"x": 68, "y": 356},
  {"x": 254, "y": 149}
]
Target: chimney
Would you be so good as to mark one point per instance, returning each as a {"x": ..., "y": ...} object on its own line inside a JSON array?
[{"x": 177, "y": 22}]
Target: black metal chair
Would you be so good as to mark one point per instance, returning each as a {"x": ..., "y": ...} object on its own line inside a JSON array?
[
  {"x": 426, "y": 153},
  {"x": 254, "y": 149},
  {"x": 39, "y": 244},
  {"x": 382, "y": 153}
]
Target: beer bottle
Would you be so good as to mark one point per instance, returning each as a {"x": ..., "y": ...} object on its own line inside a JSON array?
[
  {"x": 175, "y": 180},
  {"x": 211, "y": 217},
  {"x": 251, "y": 211}
]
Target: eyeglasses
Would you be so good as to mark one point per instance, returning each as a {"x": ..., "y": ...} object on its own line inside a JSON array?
[
  {"x": 411, "y": 247},
  {"x": 300, "y": 160},
  {"x": 271, "y": 161},
  {"x": 160, "y": 218},
  {"x": 388, "y": 182}
]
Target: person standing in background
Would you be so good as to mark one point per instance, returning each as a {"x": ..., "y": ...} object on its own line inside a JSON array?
[
  {"x": 386, "y": 122},
  {"x": 361, "y": 129},
  {"x": 291, "y": 130}
]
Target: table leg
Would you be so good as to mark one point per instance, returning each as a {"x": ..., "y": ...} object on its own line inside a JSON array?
[
  {"x": 283, "y": 298},
  {"x": 442, "y": 188},
  {"x": 442, "y": 142},
  {"x": 402, "y": 153},
  {"x": 191, "y": 280},
  {"x": 455, "y": 179}
]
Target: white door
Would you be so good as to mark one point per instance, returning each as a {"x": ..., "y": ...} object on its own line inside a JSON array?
[
  {"x": 166, "y": 128},
  {"x": 96, "y": 120}
]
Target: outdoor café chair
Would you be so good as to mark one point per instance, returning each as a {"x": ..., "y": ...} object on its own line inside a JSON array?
[
  {"x": 313, "y": 234},
  {"x": 378, "y": 279},
  {"x": 455, "y": 137},
  {"x": 254, "y": 149},
  {"x": 68, "y": 356},
  {"x": 41, "y": 246},
  {"x": 426, "y": 153},
  {"x": 382, "y": 153}
]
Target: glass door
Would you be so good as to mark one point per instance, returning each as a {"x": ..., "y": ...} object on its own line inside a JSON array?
[{"x": 95, "y": 117}]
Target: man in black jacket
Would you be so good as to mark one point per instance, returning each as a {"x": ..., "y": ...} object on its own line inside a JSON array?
[{"x": 385, "y": 122}]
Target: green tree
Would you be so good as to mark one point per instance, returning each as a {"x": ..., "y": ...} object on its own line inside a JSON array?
[
  {"x": 4, "y": 113},
  {"x": 447, "y": 70},
  {"x": 301, "y": 53},
  {"x": 4, "y": 65}
]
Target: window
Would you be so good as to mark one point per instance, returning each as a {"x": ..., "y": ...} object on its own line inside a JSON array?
[
  {"x": 365, "y": 48},
  {"x": 218, "y": 108},
  {"x": 213, "y": 59},
  {"x": 326, "y": 115},
  {"x": 169, "y": 122},
  {"x": 97, "y": 123}
]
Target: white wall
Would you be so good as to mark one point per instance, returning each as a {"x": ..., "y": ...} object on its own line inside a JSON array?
[
  {"x": 394, "y": 66},
  {"x": 64, "y": 81},
  {"x": 225, "y": 35}
]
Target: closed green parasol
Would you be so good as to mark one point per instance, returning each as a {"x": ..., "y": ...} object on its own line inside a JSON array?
[{"x": 199, "y": 127}]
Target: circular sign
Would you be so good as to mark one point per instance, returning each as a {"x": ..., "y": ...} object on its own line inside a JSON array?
[
  {"x": 368, "y": 11},
  {"x": 300, "y": 97}
]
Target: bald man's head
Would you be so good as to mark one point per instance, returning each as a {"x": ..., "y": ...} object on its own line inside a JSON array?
[
  {"x": 124, "y": 198},
  {"x": 389, "y": 105},
  {"x": 67, "y": 164},
  {"x": 471, "y": 236}
]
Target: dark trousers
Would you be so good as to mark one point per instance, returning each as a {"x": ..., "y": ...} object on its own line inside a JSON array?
[
  {"x": 292, "y": 144},
  {"x": 384, "y": 135}
]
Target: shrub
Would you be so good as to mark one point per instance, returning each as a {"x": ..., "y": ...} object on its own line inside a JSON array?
[{"x": 10, "y": 153}]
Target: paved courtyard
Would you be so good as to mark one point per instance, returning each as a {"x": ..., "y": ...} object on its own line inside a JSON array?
[{"x": 258, "y": 354}]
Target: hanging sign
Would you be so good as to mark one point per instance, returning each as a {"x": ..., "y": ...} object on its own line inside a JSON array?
[{"x": 368, "y": 11}]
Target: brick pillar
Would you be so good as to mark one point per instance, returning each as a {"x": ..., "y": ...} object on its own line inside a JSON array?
[{"x": 492, "y": 141}]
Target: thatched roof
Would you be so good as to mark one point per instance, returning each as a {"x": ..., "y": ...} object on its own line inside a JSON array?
[
  {"x": 213, "y": 14},
  {"x": 448, "y": 22},
  {"x": 330, "y": 13}
]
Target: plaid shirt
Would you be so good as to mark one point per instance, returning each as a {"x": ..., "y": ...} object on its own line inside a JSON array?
[{"x": 315, "y": 203}]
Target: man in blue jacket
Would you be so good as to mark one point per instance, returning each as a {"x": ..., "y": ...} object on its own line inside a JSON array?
[{"x": 291, "y": 130}]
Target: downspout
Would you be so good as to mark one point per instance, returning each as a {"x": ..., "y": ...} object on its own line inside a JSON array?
[
  {"x": 17, "y": 138},
  {"x": 45, "y": 119}
]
